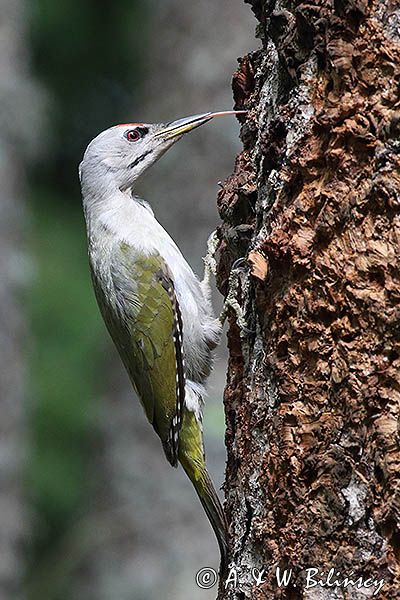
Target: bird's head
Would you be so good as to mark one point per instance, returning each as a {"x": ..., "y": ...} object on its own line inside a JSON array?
[{"x": 120, "y": 154}]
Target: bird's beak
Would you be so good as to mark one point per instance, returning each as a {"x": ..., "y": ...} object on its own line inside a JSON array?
[{"x": 181, "y": 126}]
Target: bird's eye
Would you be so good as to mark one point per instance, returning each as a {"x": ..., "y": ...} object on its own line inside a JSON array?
[{"x": 133, "y": 135}]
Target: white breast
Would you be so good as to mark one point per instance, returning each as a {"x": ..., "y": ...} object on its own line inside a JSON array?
[{"x": 133, "y": 222}]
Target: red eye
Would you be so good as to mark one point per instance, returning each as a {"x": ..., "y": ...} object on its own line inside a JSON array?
[{"x": 133, "y": 135}]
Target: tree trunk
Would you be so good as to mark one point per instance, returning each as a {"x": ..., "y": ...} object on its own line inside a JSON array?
[{"x": 312, "y": 397}]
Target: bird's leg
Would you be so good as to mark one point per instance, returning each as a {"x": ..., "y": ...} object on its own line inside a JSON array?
[
  {"x": 210, "y": 264},
  {"x": 239, "y": 267},
  {"x": 231, "y": 300}
]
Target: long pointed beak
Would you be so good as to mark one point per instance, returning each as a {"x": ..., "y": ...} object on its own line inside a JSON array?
[{"x": 185, "y": 125}]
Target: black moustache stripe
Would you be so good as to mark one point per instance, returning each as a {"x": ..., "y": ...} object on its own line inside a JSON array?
[{"x": 139, "y": 159}]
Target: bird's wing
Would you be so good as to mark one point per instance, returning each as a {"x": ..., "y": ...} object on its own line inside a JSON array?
[{"x": 147, "y": 330}]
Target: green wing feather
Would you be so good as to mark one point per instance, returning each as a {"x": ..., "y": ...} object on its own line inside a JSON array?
[
  {"x": 143, "y": 317},
  {"x": 141, "y": 311}
]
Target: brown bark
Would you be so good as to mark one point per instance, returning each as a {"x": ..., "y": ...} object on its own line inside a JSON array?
[{"x": 312, "y": 398}]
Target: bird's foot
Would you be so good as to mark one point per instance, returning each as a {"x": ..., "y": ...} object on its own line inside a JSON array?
[
  {"x": 238, "y": 275},
  {"x": 210, "y": 264},
  {"x": 239, "y": 268}
]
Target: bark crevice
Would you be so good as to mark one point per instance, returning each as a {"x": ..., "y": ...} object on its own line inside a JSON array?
[{"x": 312, "y": 396}]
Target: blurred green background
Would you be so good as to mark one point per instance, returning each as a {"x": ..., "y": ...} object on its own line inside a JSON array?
[{"x": 90, "y": 508}]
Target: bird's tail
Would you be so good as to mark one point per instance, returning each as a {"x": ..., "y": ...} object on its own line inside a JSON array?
[
  {"x": 191, "y": 457},
  {"x": 216, "y": 516}
]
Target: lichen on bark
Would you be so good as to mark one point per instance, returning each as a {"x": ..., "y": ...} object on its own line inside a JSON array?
[{"x": 313, "y": 388}]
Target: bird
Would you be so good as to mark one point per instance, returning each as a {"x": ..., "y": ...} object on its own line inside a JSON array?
[{"x": 157, "y": 311}]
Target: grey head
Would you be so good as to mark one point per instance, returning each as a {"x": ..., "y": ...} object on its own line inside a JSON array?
[{"x": 119, "y": 155}]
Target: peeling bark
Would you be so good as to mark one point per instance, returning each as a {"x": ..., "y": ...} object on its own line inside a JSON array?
[{"x": 312, "y": 397}]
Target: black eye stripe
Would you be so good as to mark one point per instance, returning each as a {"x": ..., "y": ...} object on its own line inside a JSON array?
[
  {"x": 139, "y": 159},
  {"x": 133, "y": 135}
]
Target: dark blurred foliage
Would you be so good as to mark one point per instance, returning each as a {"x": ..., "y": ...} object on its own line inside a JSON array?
[{"x": 89, "y": 56}]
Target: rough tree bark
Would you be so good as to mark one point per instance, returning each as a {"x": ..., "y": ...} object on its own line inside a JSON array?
[{"x": 312, "y": 397}]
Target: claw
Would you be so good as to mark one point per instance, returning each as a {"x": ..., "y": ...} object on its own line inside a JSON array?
[
  {"x": 239, "y": 267},
  {"x": 239, "y": 264}
]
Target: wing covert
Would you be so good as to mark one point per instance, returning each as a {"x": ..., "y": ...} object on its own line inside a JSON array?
[{"x": 146, "y": 326}]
